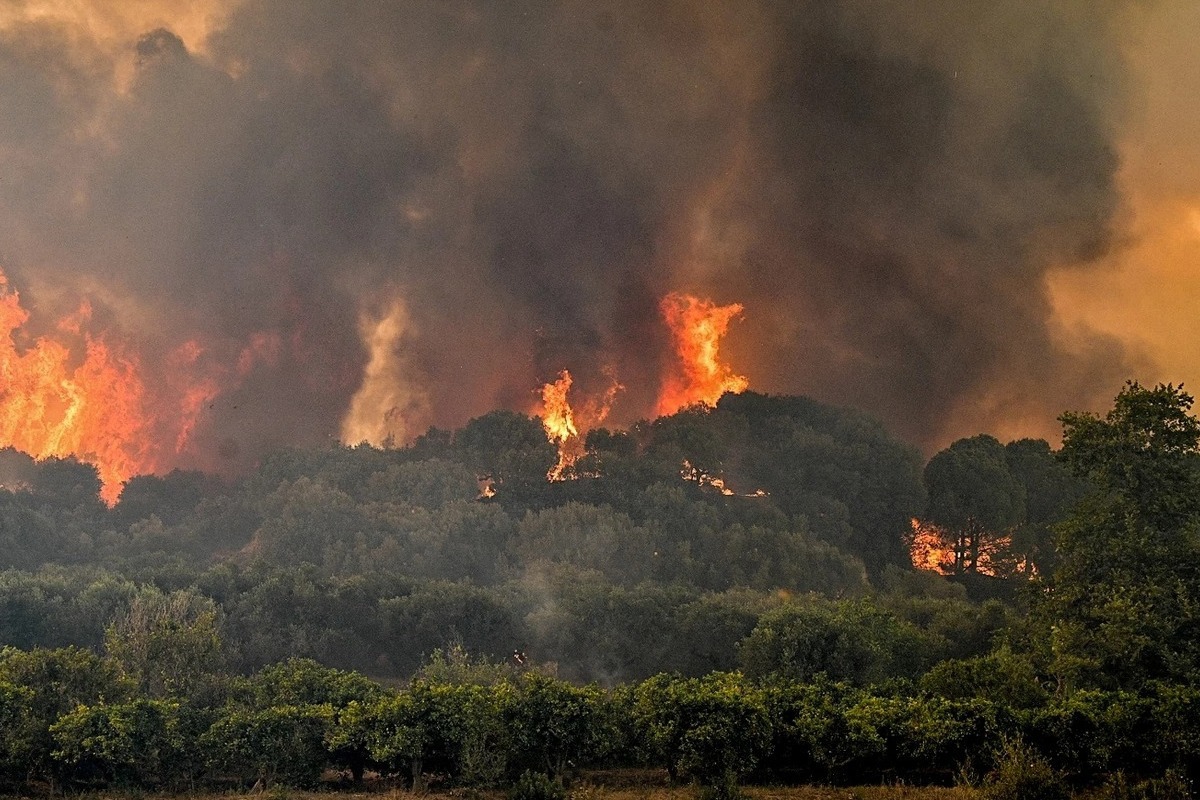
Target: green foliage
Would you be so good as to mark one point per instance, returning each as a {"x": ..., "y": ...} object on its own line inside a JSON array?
[
  {"x": 14, "y": 704},
  {"x": 430, "y": 483},
  {"x": 288, "y": 723},
  {"x": 537, "y": 786},
  {"x": 278, "y": 744},
  {"x": 455, "y": 665},
  {"x": 382, "y": 561},
  {"x": 134, "y": 744},
  {"x": 1144, "y": 451},
  {"x": 167, "y": 644},
  {"x": 1121, "y": 607},
  {"x": 455, "y": 730},
  {"x": 1051, "y": 492},
  {"x": 832, "y": 732},
  {"x": 307, "y": 521},
  {"x": 853, "y": 641},
  {"x": 712, "y": 729},
  {"x": 1003, "y": 676},
  {"x": 28, "y": 538},
  {"x": 67, "y": 483},
  {"x": 43, "y": 685},
  {"x": 589, "y": 537},
  {"x": 974, "y": 496},
  {"x": 801, "y": 451},
  {"x": 172, "y": 498},
  {"x": 304, "y": 682},
  {"x": 552, "y": 725},
  {"x": 510, "y": 447},
  {"x": 1022, "y": 774}
]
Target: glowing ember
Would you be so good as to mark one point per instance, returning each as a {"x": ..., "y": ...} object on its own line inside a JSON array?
[{"x": 697, "y": 327}]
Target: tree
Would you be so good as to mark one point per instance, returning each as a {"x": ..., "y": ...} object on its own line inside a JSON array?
[
  {"x": 1051, "y": 491},
  {"x": 166, "y": 643},
  {"x": 432, "y": 727},
  {"x": 171, "y": 497},
  {"x": 133, "y": 744},
  {"x": 303, "y": 683},
  {"x": 974, "y": 496},
  {"x": 510, "y": 447},
  {"x": 1121, "y": 607},
  {"x": 284, "y": 744},
  {"x": 1143, "y": 453},
  {"x": 845, "y": 641},
  {"x": 552, "y": 724},
  {"x": 44, "y": 686},
  {"x": 713, "y": 729},
  {"x": 806, "y": 454},
  {"x": 67, "y": 483}
]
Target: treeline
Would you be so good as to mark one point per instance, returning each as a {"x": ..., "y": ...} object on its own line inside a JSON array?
[
  {"x": 369, "y": 558},
  {"x": 74, "y": 720},
  {"x": 760, "y": 492},
  {"x": 386, "y": 625},
  {"x": 767, "y": 536}
]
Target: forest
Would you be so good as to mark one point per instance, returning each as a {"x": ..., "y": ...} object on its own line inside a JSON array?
[{"x": 727, "y": 594}]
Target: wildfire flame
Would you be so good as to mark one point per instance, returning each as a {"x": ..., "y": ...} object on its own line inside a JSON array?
[
  {"x": 697, "y": 326},
  {"x": 55, "y": 402},
  {"x": 934, "y": 550},
  {"x": 557, "y": 417},
  {"x": 929, "y": 549},
  {"x": 559, "y": 421},
  {"x": 565, "y": 425},
  {"x": 80, "y": 393}
]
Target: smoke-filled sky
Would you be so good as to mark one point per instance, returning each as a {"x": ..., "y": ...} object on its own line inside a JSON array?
[{"x": 350, "y": 220}]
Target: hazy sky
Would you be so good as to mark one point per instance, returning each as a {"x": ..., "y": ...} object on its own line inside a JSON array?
[{"x": 366, "y": 218}]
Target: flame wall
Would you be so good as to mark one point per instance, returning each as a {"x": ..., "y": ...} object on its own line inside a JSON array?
[{"x": 374, "y": 217}]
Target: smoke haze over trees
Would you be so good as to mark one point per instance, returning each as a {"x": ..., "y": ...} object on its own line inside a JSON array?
[{"x": 359, "y": 221}]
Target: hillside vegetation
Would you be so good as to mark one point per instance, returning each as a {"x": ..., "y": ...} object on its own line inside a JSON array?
[{"x": 723, "y": 594}]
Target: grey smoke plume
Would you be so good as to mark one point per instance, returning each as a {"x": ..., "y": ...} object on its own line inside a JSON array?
[{"x": 882, "y": 184}]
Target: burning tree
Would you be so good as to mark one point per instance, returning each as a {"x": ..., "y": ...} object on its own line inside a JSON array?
[{"x": 973, "y": 498}]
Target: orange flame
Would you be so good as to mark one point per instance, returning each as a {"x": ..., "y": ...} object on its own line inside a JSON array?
[
  {"x": 929, "y": 549},
  {"x": 557, "y": 417},
  {"x": 195, "y": 394},
  {"x": 84, "y": 394},
  {"x": 564, "y": 425},
  {"x": 55, "y": 403},
  {"x": 933, "y": 549},
  {"x": 697, "y": 327}
]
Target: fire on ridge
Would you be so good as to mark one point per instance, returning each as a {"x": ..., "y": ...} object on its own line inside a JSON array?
[
  {"x": 75, "y": 388},
  {"x": 696, "y": 376}
]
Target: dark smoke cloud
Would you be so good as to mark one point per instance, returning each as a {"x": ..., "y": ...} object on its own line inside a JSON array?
[{"x": 883, "y": 185}]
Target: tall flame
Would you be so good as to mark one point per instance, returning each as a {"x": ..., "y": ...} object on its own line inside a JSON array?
[
  {"x": 559, "y": 421},
  {"x": 557, "y": 417},
  {"x": 387, "y": 402},
  {"x": 54, "y": 402},
  {"x": 79, "y": 393},
  {"x": 564, "y": 425},
  {"x": 697, "y": 326}
]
